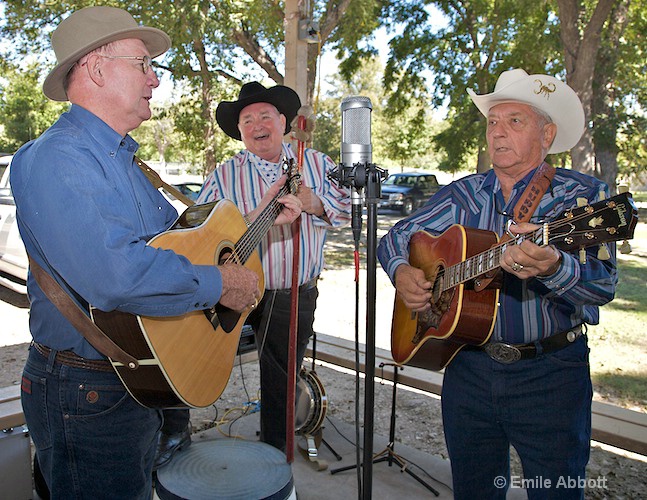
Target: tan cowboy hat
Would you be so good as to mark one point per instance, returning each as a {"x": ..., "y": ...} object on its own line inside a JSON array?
[
  {"x": 546, "y": 93},
  {"x": 88, "y": 29},
  {"x": 282, "y": 98}
]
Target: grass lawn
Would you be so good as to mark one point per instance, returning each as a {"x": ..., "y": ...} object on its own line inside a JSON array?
[{"x": 619, "y": 344}]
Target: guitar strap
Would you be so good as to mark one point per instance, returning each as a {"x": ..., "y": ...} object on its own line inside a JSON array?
[
  {"x": 73, "y": 312},
  {"x": 78, "y": 318},
  {"x": 157, "y": 182},
  {"x": 533, "y": 193},
  {"x": 522, "y": 212}
]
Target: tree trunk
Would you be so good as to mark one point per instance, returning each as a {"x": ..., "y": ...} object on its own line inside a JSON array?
[
  {"x": 604, "y": 97},
  {"x": 580, "y": 53},
  {"x": 483, "y": 161}
]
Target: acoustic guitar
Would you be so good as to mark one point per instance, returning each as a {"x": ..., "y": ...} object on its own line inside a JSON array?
[
  {"x": 461, "y": 259},
  {"x": 187, "y": 360}
]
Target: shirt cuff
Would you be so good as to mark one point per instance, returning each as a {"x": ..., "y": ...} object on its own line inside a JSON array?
[
  {"x": 565, "y": 277},
  {"x": 210, "y": 289}
]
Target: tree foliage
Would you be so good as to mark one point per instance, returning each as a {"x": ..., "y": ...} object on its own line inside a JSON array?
[
  {"x": 215, "y": 44},
  {"x": 597, "y": 46},
  {"x": 482, "y": 38},
  {"x": 25, "y": 111}
]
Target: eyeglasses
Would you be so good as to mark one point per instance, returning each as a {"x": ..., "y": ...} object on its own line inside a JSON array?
[{"x": 146, "y": 60}]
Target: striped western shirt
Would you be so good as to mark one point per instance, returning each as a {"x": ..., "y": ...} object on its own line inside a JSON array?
[
  {"x": 528, "y": 309},
  {"x": 242, "y": 181}
]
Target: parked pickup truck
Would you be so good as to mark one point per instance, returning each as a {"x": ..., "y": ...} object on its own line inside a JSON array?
[
  {"x": 13, "y": 258},
  {"x": 407, "y": 191}
]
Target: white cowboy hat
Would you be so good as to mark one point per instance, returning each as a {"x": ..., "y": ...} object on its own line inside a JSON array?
[
  {"x": 546, "y": 93},
  {"x": 88, "y": 29}
]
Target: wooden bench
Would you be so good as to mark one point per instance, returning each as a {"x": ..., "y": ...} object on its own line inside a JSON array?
[
  {"x": 620, "y": 427},
  {"x": 11, "y": 414}
]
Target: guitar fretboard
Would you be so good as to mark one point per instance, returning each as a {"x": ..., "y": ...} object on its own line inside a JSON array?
[
  {"x": 487, "y": 261},
  {"x": 250, "y": 240}
]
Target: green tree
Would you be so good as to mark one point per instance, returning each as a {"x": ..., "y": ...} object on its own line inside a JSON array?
[
  {"x": 620, "y": 145},
  {"x": 480, "y": 40},
  {"x": 25, "y": 112},
  {"x": 214, "y": 43},
  {"x": 398, "y": 139},
  {"x": 560, "y": 37}
]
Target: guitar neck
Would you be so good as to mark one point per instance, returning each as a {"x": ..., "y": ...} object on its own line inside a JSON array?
[
  {"x": 475, "y": 266},
  {"x": 259, "y": 228},
  {"x": 607, "y": 220}
]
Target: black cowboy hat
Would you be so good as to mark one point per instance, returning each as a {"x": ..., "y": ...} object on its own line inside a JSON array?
[{"x": 282, "y": 98}]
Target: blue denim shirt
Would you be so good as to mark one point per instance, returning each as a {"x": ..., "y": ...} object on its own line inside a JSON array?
[{"x": 85, "y": 212}]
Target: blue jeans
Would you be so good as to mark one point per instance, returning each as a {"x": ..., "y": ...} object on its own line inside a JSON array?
[
  {"x": 93, "y": 440},
  {"x": 540, "y": 406}
]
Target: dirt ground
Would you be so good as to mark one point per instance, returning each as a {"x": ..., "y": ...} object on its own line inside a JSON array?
[{"x": 613, "y": 474}]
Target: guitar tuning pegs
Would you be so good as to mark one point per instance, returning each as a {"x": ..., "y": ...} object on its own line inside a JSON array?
[
  {"x": 582, "y": 256},
  {"x": 603, "y": 252},
  {"x": 625, "y": 248},
  {"x": 582, "y": 202}
]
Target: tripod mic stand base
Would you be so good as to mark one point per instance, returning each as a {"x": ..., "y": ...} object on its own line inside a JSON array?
[{"x": 392, "y": 457}]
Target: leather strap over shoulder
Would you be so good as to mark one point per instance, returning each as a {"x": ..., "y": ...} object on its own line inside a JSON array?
[
  {"x": 77, "y": 317},
  {"x": 533, "y": 193},
  {"x": 157, "y": 182}
]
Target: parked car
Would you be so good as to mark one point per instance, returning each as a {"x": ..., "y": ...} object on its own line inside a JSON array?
[
  {"x": 407, "y": 191},
  {"x": 13, "y": 258},
  {"x": 190, "y": 189}
]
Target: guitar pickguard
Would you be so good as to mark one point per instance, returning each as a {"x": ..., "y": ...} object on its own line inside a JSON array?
[{"x": 431, "y": 318}]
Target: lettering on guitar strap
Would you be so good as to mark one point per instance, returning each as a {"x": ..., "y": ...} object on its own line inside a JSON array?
[{"x": 528, "y": 203}]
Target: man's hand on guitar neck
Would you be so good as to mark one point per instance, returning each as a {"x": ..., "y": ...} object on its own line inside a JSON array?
[
  {"x": 413, "y": 288},
  {"x": 239, "y": 287},
  {"x": 292, "y": 206},
  {"x": 527, "y": 259}
]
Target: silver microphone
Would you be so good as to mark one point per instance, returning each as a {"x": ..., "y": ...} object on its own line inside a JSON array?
[{"x": 356, "y": 149}]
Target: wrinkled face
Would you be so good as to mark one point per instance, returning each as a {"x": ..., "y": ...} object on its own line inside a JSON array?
[
  {"x": 518, "y": 137},
  {"x": 262, "y": 128},
  {"x": 128, "y": 89}
]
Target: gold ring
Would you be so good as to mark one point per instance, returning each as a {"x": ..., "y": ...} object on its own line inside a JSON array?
[{"x": 517, "y": 267}]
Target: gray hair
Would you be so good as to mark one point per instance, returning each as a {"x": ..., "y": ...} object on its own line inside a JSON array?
[{"x": 543, "y": 117}]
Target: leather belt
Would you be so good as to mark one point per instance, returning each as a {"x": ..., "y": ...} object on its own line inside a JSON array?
[
  {"x": 70, "y": 358},
  {"x": 302, "y": 288},
  {"x": 511, "y": 353}
]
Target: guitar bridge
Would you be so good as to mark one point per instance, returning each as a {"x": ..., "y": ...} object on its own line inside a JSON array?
[
  {"x": 221, "y": 316},
  {"x": 212, "y": 316}
]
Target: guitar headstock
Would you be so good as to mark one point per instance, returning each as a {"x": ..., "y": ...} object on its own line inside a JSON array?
[
  {"x": 291, "y": 168},
  {"x": 608, "y": 220}
]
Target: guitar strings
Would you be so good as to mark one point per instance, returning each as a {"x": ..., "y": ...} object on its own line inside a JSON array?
[
  {"x": 250, "y": 239},
  {"x": 496, "y": 251}
]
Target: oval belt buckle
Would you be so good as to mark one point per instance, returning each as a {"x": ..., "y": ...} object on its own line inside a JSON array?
[{"x": 503, "y": 353}]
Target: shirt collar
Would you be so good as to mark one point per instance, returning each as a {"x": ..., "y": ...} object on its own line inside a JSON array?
[{"x": 108, "y": 139}]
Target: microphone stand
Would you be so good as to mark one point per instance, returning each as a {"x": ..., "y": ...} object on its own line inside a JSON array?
[
  {"x": 367, "y": 176},
  {"x": 372, "y": 197}
]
